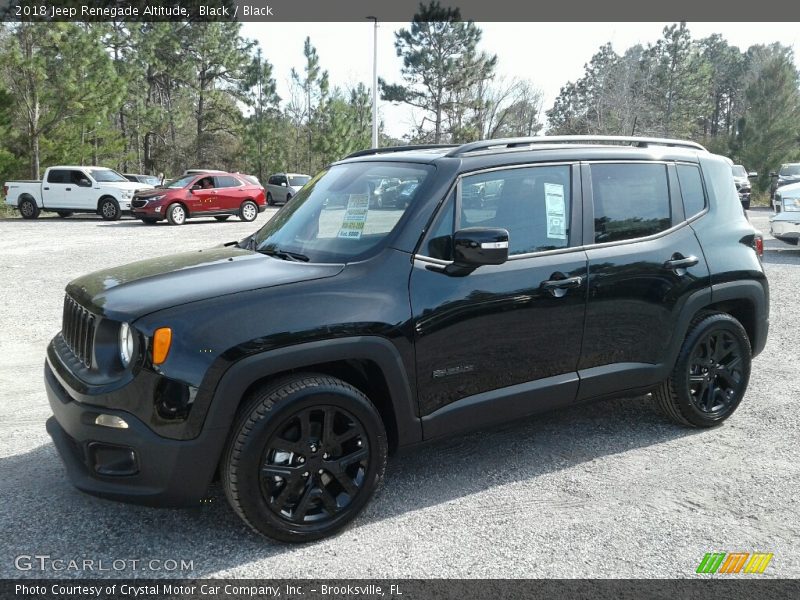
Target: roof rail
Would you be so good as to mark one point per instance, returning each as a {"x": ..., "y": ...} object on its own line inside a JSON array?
[
  {"x": 640, "y": 142},
  {"x": 387, "y": 149}
]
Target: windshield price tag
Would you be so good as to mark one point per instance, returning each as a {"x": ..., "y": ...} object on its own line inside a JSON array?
[{"x": 354, "y": 217}]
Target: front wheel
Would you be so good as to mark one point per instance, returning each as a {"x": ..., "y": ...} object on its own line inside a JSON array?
[
  {"x": 304, "y": 457},
  {"x": 176, "y": 214},
  {"x": 28, "y": 208},
  {"x": 248, "y": 211},
  {"x": 109, "y": 209},
  {"x": 711, "y": 374}
]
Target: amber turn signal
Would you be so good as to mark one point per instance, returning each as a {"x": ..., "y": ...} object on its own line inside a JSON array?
[{"x": 161, "y": 343}]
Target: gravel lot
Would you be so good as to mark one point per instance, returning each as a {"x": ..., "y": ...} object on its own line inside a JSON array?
[{"x": 606, "y": 490}]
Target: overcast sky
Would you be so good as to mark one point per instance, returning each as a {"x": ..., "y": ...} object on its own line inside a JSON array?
[{"x": 549, "y": 54}]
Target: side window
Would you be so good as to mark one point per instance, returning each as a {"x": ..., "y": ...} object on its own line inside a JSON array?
[
  {"x": 78, "y": 176},
  {"x": 630, "y": 201},
  {"x": 532, "y": 203},
  {"x": 694, "y": 200},
  {"x": 226, "y": 181},
  {"x": 439, "y": 241},
  {"x": 58, "y": 176},
  {"x": 273, "y": 180}
]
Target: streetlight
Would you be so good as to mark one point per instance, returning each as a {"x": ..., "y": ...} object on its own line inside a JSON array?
[{"x": 374, "y": 83}]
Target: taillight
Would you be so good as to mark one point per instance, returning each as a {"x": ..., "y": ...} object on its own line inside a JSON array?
[{"x": 758, "y": 245}]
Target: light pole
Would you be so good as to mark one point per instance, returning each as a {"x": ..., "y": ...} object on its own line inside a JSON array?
[{"x": 374, "y": 83}]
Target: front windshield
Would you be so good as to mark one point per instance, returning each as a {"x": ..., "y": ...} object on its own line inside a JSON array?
[
  {"x": 337, "y": 216},
  {"x": 180, "y": 183},
  {"x": 739, "y": 171},
  {"x": 106, "y": 176},
  {"x": 299, "y": 180},
  {"x": 790, "y": 170},
  {"x": 152, "y": 180}
]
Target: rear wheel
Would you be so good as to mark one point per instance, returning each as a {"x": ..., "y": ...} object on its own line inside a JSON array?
[
  {"x": 304, "y": 457},
  {"x": 288, "y": 197},
  {"x": 109, "y": 209},
  {"x": 711, "y": 374},
  {"x": 64, "y": 214},
  {"x": 222, "y": 218},
  {"x": 270, "y": 201},
  {"x": 248, "y": 211},
  {"x": 28, "y": 209},
  {"x": 176, "y": 214}
]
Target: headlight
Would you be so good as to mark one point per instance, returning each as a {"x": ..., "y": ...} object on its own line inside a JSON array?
[
  {"x": 154, "y": 198},
  {"x": 125, "y": 344},
  {"x": 127, "y": 194},
  {"x": 791, "y": 204}
]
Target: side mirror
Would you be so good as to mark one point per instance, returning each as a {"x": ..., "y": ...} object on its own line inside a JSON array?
[
  {"x": 752, "y": 175},
  {"x": 477, "y": 246},
  {"x": 84, "y": 183},
  {"x": 195, "y": 187},
  {"x": 283, "y": 184}
]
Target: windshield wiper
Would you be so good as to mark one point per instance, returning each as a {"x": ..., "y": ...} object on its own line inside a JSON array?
[{"x": 285, "y": 254}]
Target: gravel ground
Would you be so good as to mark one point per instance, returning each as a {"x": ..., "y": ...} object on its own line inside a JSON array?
[{"x": 604, "y": 490}]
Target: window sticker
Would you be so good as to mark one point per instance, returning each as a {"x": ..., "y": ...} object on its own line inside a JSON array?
[
  {"x": 556, "y": 211},
  {"x": 354, "y": 217}
]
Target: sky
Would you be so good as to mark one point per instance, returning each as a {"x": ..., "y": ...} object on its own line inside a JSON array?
[{"x": 548, "y": 54}]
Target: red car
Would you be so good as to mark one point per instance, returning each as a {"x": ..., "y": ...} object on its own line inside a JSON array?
[{"x": 217, "y": 195}]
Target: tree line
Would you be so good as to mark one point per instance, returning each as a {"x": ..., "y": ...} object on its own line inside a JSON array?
[
  {"x": 742, "y": 104},
  {"x": 161, "y": 97}
]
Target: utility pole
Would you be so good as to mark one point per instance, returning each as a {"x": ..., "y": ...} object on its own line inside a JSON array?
[{"x": 374, "y": 82}]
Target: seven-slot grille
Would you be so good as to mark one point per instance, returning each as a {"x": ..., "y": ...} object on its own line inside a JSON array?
[{"x": 78, "y": 327}]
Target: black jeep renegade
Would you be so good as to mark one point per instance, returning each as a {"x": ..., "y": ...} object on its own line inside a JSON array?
[{"x": 519, "y": 275}]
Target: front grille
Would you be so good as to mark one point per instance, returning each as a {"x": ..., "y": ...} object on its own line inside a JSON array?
[
  {"x": 138, "y": 203},
  {"x": 78, "y": 328}
]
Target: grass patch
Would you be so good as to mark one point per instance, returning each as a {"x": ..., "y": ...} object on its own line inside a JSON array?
[{"x": 760, "y": 199}]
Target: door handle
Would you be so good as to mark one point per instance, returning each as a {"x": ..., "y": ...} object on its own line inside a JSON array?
[
  {"x": 569, "y": 283},
  {"x": 47, "y": 188},
  {"x": 678, "y": 261},
  {"x": 69, "y": 189}
]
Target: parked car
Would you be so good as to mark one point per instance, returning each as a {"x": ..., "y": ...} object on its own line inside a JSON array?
[
  {"x": 785, "y": 224},
  {"x": 743, "y": 186},
  {"x": 146, "y": 179},
  {"x": 292, "y": 362},
  {"x": 787, "y": 174},
  {"x": 69, "y": 189},
  {"x": 217, "y": 195},
  {"x": 282, "y": 186}
]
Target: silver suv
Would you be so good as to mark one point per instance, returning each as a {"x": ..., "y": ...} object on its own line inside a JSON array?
[{"x": 282, "y": 186}]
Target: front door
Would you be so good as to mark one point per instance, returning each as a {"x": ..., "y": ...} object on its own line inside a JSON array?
[
  {"x": 203, "y": 195},
  {"x": 504, "y": 340}
]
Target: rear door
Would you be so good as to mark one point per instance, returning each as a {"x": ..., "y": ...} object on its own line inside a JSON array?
[
  {"x": 645, "y": 264},
  {"x": 230, "y": 193},
  {"x": 54, "y": 189}
]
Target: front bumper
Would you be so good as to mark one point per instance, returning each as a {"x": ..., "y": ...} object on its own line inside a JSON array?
[
  {"x": 160, "y": 471},
  {"x": 785, "y": 226}
]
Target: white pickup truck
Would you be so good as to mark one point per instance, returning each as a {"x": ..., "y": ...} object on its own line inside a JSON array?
[{"x": 67, "y": 190}]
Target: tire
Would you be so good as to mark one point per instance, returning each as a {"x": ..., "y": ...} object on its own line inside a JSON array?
[
  {"x": 288, "y": 197},
  {"x": 149, "y": 221},
  {"x": 270, "y": 201},
  {"x": 222, "y": 217},
  {"x": 109, "y": 209},
  {"x": 711, "y": 374},
  {"x": 286, "y": 474},
  {"x": 28, "y": 209},
  {"x": 248, "y": 211},
  {"x": 65, "y": 213},
  {"x": 746, "y": 204},
  {"x": 176, "y": 214}
]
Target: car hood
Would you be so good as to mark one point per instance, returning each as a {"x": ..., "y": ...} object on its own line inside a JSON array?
[
  {"x": 125, "y": 185},
  {"x": 136, "y": 289},
  {"x": 151, "y": 192}
]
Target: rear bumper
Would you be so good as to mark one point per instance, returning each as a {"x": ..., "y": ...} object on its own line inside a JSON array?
[{"x": 133, "y": 464}]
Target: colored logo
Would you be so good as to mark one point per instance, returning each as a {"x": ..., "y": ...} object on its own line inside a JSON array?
[{"x": 734, "y": 562}]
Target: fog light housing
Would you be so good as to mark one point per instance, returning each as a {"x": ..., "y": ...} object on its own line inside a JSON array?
[
  {"x": 106, "y": 459},
  {"x": 111, "y": 421}
]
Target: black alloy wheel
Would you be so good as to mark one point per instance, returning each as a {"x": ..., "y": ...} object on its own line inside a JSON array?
[
  {"x": 711, "y": 374},
  {"x": 304, "y": 457}
]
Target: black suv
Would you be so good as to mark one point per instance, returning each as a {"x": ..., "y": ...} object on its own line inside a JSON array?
[{"x": 292, "y": 362}]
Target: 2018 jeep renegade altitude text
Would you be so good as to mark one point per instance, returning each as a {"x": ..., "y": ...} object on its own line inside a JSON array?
[{"x": 521, "y": 275}]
